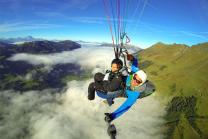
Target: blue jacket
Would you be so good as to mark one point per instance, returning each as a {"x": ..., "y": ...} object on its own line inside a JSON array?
[{"x": 132, "y": 96}]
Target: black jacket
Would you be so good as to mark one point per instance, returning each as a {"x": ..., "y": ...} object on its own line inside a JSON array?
[{"x": 113, "y": 83}]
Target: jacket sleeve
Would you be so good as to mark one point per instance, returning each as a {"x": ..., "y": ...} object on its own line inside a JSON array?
[
  {"x": 132, "y": 97},
  {"x": 134, "y": 66}
]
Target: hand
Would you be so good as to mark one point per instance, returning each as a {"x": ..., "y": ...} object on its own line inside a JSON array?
[{"x": 130, "y": 57}]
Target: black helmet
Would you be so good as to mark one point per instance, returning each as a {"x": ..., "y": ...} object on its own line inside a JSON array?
[{"x": 117, "y": 61}]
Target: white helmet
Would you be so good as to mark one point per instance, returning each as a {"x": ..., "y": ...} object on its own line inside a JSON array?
[{"x": 142, "y": 75}]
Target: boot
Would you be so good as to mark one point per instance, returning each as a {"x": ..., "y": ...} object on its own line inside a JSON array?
[{"x": 91, "y": 91}]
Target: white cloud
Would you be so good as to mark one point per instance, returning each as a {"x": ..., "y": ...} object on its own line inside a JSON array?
[
  {"x": 88, "y": 20},
  {"x": 192, "y": 34},
  {"x": 87, "y": 58},
  {"x": 75, "y": 19},
  {"x": 20, "y": 26},
  {"x": 51, "y": 114},
  {"x": 81, "y": 4},
  {"x": 44, "y": 115}
]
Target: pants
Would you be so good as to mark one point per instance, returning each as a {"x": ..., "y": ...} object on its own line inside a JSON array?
[{"x": 104, "y": 86}]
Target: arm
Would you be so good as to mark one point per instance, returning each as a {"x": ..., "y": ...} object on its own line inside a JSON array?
[
  {"x": 134, "y": 61},
  {"x": 132, "y": 97},
  {"x": 134, "y": 66}
]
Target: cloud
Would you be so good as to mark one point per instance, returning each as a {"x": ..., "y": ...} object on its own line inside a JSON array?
[
  {"x": 74, "y": 19},
  {"x": 87, "y": 19},
  {"x": 68, "y": 114},
  {"x": 45, "y": 114},
  {"x": 60, "y": 5},
  {"x": 81, "y": 4},
  {"x": 154, "y": 28},
  {"x": 206, "y": 32},
  {"x": 20, "y": 26},
  {"x": 196, "y": 35},
  {"x": 87, "y": 58},
  {"x": 152, "y": 6}
]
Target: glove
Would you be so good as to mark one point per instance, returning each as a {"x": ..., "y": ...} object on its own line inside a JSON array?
[{"x": 130, "y": 57}]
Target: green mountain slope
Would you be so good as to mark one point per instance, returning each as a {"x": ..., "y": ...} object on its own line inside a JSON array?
[{"x": 180, "y": 71}]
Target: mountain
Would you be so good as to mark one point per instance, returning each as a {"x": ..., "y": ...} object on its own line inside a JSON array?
[
  {"x": 181, "y": 77},
  {"x": 37, "y": 47},
  {"x": 6, "y": 50},
  {"x": 22, "y": 76},
  {"x": 3, "y": 44},
  {"x": 20, "y": 40},
  {"x": 178, "y": 64},
  {"x": 178, "y": 71},
  {"x": 47, "y": 46}
]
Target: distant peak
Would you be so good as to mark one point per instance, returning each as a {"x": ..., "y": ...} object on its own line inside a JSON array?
[
  {"x": 159, "y": 43},
  {"x": 29, "y": 37}
]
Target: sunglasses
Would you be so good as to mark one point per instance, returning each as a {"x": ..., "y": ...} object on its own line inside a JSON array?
[{"x": 137, "y": 81}]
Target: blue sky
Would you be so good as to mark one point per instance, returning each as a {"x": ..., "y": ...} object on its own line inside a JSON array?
[{"x": 148, "y": 21}]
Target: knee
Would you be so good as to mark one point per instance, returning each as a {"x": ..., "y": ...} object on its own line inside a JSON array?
[{"x": 99, "y": 77}]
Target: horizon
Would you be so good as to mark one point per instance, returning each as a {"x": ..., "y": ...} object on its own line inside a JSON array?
[
  {"x": 154, "y": 21},
  {"x": 23, "y": 37}
]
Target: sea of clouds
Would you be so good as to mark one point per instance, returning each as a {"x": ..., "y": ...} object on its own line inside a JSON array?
[{"x": 68, "y": 114}]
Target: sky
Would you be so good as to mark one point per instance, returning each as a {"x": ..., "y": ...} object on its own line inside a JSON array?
[{"x": 147, "y": 21}]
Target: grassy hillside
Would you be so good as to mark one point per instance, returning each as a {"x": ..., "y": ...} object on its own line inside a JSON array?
[{"x": 180, "y": 71}]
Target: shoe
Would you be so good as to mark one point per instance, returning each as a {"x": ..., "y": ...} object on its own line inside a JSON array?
[
  {"x": 108, "y": 117},
  {"x": 112, "y": 102}
]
